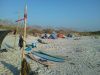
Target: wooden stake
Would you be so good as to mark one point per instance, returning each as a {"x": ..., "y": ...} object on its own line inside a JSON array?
[{"x": 24, "y": 37}]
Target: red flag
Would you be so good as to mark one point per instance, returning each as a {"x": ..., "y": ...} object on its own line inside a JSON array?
[
  {"x": 25, "y": 13},
  {"x": 20, "y": 20}
]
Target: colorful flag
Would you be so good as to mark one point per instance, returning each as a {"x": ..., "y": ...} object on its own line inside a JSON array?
[
  {"x": 20, "y": 20},
  {"x": 25, "y": 15}
]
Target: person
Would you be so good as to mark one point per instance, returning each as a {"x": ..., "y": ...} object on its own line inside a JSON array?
[
  {"x": 14, "y": 32},
  {"x": 45, "y": 36},
  {"x": 20, "y": 42}
]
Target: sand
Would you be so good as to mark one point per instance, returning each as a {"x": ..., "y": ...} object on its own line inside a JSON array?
[{"x": 82, "y": 56}]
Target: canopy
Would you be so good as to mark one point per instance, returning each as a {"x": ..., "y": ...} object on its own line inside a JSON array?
[{"x": 60, "y": 35}]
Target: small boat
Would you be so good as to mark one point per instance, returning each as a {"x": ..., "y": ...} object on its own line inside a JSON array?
[
  {"x": 47, "y": 56},
  {"x": 37, "y": 59}
]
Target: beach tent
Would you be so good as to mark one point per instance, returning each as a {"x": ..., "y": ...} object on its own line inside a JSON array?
[
  {"x": 53, "y": 35},
  {"x": 60, "y": 35},
  {"x": 44, "y": 36},
  {"x": 3, "y": 33},
  {"x": 69, "y": 35}
]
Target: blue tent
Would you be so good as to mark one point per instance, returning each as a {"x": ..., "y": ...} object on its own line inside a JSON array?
[{"x": 53, "y": 36}]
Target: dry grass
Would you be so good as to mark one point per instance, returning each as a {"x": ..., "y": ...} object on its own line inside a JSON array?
[{"x": 35, "y": 31}]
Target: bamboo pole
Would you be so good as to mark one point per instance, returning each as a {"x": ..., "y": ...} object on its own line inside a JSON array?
[
  {"x": 16, "y": 33},
  {"x": 24, "y": 36},
  {"x": 25, "y": 67}
]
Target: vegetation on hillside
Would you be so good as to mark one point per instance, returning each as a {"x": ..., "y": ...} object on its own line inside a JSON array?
[{"x": 39, "y": 30}]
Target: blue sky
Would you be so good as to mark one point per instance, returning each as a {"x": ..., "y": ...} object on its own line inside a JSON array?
[{"x": 75, "y": 14}]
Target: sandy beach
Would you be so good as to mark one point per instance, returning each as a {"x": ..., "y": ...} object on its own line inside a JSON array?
[{"x": 82, "y": 56}]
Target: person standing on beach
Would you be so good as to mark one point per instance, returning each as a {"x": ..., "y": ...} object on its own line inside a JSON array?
[
  {"x": 20, "y": 44},
  {"x": 14, "y": 32}
]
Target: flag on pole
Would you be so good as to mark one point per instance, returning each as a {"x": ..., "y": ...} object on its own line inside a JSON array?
[
  {"x": 25, "y": 67},
  {"x": 25, "y": 15},
  {"x": 20, "y": 20}
]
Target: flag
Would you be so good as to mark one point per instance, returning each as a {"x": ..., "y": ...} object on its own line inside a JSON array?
[
  {"x": 20, "y": 20},
  {"x": 25, "y": 13}
]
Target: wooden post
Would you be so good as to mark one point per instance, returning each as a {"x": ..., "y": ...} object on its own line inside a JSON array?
[
  {"x": 16, "y": 33},
  {"x": 25, "y": 67},
  {"x": 24, "y": 36}
]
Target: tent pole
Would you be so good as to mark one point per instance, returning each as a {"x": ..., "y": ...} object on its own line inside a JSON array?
[{"x": 16, "y": 33}]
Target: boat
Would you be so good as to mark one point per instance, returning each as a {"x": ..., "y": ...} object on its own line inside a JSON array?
[
  {"x": 47, "y": 56},
  {"x": 3, "y": 33}
]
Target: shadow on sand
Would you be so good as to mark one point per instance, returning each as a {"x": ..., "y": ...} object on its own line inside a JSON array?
[
  {"x": 12, "y": 68},
  {"x": 3, "y": 50},
  {"x": 15, "y": 70}
]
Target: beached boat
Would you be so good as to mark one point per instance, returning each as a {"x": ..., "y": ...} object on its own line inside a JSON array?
[
  {"x": 47, "y": 56},
  {"x": 3, "y": 34}
]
